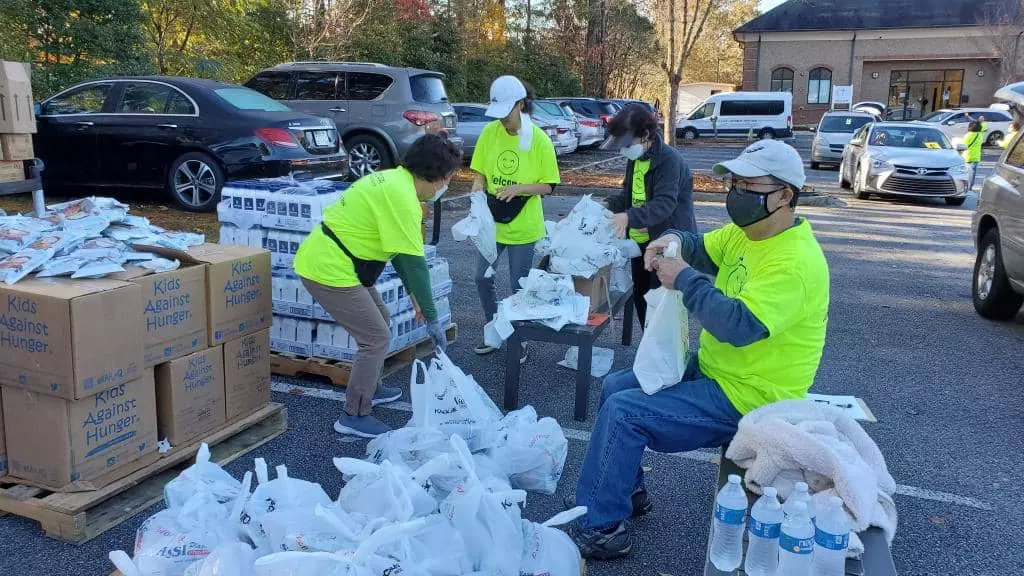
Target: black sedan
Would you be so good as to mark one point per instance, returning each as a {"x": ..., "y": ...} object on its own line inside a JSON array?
[{"x": 184, "y": 135}]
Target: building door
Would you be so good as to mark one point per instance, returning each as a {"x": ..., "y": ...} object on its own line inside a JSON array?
[{"x": 919, "y": 92}]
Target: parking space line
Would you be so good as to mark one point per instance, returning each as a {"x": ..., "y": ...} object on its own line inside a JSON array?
[{"x": 708, "y": 456}]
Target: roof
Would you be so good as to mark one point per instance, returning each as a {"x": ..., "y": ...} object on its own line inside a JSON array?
[
  {"x": 808, "y": 15},
  {"x": 350, "y": 67}
]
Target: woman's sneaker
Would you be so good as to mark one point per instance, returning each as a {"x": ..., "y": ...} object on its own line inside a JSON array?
[
  {"x": 361, "y": 426},
  {"x": 483, "y": 349}
]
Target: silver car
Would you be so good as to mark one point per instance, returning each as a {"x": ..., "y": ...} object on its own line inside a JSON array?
[
  {"x": 908, "y": 160},
  {"x": 379, "y": 110},
  {"x": 832, "y": 134},
  {"x": 472, "y": 120},
  {"x": 998, "y": 283},
  {"x": 592, "y": 131}
]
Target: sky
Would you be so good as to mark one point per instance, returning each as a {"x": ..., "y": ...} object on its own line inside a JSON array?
[{"x": 767, "y": 5}]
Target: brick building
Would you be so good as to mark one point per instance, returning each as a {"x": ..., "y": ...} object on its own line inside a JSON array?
[{"x": 912, "y": 55}]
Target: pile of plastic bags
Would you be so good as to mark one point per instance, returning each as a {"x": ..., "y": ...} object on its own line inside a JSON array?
[
  {"x": 582, "y": 243},
  {"x": 427, "y": 502},
  {"x": 86, "y": 238},
  {"x": 546, "y": 298}
]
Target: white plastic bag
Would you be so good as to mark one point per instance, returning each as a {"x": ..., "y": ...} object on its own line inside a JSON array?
[
  {"x": 317, "y": 529},
  {"x": 548, "y": 551},
  {"x": 600, "y": 362},
  {"x": 664, "y": 349},
  {"x": 451, "y": 401},
  {"x": 203, "y": 476},
  {"x": 490, "y": 522},
  {"x": 437, "y": 549},
  {"x": 233, "y": 559},
  {"x": 532, "y": 452},
  {"x": 382, "y": 491},
  {"x": 480, "y": 227},
  {"x": 410, "y": 446},
  {"x": 281, "y": 493}
]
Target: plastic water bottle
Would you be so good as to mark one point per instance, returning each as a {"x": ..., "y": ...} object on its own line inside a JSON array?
[
  {"x": 799, "y": 494},
  {"x": 730, "y": 514},
  {"x": 796, "y": 542},
  {"x": 831, "y": 539},
  {"x": 763, "y": 540}
]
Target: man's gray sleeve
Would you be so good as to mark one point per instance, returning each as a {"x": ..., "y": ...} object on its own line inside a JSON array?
[
  {"x": 727, "y": 319},
  {"x": 693, "y": 251}
]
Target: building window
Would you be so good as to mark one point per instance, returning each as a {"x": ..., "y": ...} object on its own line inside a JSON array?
[
  {"x": 917, "y": 93},
  {"x": 819, "y": 86},
  {"x": 782, "y": 80}
]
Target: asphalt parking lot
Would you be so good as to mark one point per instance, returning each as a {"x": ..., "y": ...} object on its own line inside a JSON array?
[{"x": 944, "y": 383}]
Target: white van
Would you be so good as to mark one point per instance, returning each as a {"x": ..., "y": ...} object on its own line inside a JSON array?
[{"x": 768, "y": 114}]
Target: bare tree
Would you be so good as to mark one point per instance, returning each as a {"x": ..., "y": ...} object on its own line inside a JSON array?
[
  {"x": 679, "y": 25},
  {"x": 1004, "y": 37},
  {"x": 324, "y": 27}
]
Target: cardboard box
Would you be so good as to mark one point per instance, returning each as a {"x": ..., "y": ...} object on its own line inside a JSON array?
[
  {"x": 173, "y": 311},
  {"x": 16, "y": 147},
  {"x": 3, "y": 445},
  {"x": 70, "y": 338},
  {"x": 12, "y": 171},
  {"x": 17, "y": 109},
  {"x": 82, "y": 443},
  {"x": 239, "y": 290},
  {"x": 190, "y": 395},
  {"x": 247, "y": 374},
  {"x": 596, "y": 288}
]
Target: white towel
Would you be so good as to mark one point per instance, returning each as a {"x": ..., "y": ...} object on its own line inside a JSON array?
[{"x": 800, "y": 440}]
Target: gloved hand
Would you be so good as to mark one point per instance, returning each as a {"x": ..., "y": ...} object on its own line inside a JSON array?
[{"x": 436, "y": 332}]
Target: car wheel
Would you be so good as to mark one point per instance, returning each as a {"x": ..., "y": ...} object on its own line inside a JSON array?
[
  {"x": 843, "y": 182},
  {"x": 194, "y": 182},
  {"x": 993, "y": 296},
  {"x": 956, "y": 201},
  {"x": 994, "y": 139},
  {"x": 860, "y": 185},
  {"x": 766, "y": 134},
  {"x": 690, "y": 134},
  {"x": 367, "y": 154}
]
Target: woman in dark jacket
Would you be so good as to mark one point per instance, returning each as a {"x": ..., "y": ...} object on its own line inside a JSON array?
[{"x": 657, "y": 194}]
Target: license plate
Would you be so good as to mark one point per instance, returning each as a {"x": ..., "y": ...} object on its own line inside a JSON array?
[
  {"x": 322, "y": 138},
  {"x": 449, "y": 122}
]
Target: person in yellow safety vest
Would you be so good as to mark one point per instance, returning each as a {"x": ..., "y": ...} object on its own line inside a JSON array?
[
  {"x": 973, "y": 141},
  {"x": 1010, "y": 135},
  {"x": 376, "y": 221}
]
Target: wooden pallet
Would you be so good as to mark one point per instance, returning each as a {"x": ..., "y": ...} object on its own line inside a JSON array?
[
  {"x": 77, "y": 517},
  {"x": 338, "y": 372}
]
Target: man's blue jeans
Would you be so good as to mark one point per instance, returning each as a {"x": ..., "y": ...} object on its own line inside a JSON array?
[{"x": 692, "y": 414}]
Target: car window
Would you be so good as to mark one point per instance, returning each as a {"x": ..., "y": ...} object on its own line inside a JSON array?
[
  {"x": 568, "y": 109},
  {"x": 990, "y": 116},
  {"x": 277, "y": 85},
  {"x": 586, "y": 107},
  {"x": 933, "y": 117},
  {"x": 959, "y": 119},
  {"x": 365, "y": 86},
  {"x": 848, "y": 124},
  {"x": 607, "y": 108},
  {"x": 909, "y": 137},
  {"x": 752, "y": 107},
  {"x": 246, "y": 99},
  {"x": 85, "y": 100},
  {"x": 428, "y": 89},
  {"x": 151, "y": 98},
  {"x": 1016, "y": 156},
  {"x": 471, "y": 114},
  {"x": 704, "y": 111},
  {"x": 861, "y": 134},
  {"x": 316, "y": 86},
  {"x": 552, "y": 109}
]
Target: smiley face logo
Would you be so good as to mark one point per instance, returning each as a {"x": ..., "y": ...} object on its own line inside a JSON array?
[
  {"x": 737, "y": 280},
  {"x": 508, "y": 162}
]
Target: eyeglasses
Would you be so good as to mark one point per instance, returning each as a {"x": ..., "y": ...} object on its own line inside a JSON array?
[{"x": 744, "y": 188}]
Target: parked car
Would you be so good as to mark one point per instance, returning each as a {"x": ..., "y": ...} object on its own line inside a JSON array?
[
  {"x": 592, "y": 130},
  {"x": 737, "y": 114},
  {"x": 998, "y": 225},
  {"x": 651, "y": 107},
  {"x": 472, "y": 119},
  {"x": 954, "y": 121},
  {"x": 875, "y": 108},
  {"x": 184, "y": 135},
  {"x": 559, "y": 126},
  {"x": 904, "y": 159},
  {"x": 602, "y": 110},
  {"x": 832, "y": 133},
  {"x": 471, "y": 123},
  {"x": 379, "y": 110}
]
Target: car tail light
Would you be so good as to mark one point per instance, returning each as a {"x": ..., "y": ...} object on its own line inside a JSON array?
[
  {"x": 563, "y": 130},
  {"x": 605, "y": 118},
  {"x": 420, "y": 117},
  {"x": 277, "y": 137},
  {"x": 590, "y": 123}
]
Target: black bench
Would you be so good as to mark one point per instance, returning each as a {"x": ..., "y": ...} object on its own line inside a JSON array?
[
  {"x": 582, "y": 336},
  {"x": 876, "y": 561}
]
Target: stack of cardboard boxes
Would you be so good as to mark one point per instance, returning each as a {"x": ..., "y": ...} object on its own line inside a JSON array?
[
  {"x": 17, "y": 120},
  {"x": 94, "y": 372}
]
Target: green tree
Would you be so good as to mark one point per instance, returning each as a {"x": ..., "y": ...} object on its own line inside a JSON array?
[{"x": 68, "y": 41}]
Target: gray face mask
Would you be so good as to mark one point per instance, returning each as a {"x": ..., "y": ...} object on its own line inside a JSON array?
[{"x": 746, "y": 208}]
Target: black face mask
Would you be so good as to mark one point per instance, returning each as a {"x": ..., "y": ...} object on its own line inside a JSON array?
[{"x": 747, "y": 208}]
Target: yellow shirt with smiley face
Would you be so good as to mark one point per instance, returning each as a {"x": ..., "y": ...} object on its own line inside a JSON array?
[{"x": 498, "y": 158}]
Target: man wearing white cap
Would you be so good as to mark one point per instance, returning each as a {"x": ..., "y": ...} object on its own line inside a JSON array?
[
  {"x": 514, "y": 163},
  {"x": 760, "y": 289}
]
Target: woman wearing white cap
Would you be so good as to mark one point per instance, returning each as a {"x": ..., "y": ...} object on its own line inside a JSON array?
[{"x": 514, "y": 162}]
